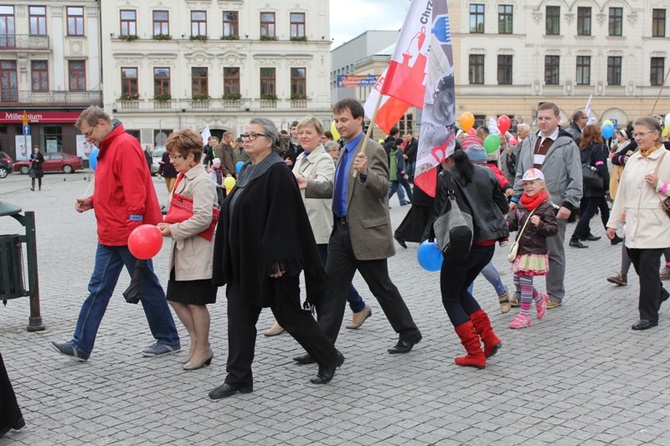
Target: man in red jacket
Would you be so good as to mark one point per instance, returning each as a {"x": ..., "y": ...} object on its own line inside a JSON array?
[{"x": 123, "y": 199}]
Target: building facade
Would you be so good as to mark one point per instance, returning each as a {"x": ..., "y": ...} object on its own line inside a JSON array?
[
  {"x": 174, "y": 64},
  {"x": 49, "y": 72}
]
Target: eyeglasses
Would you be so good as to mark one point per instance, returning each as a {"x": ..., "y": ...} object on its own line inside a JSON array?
[
  {"x": 175, "y": 157},
  {"x": 252, "y": 136},
  {"x": 87, "y": 135},
  {"x": 635, "y": 135}
]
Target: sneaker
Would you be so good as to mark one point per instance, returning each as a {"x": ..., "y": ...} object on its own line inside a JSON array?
[
  {"x": 619, "y": 279},
  {"x": 521, "y": 321},
  {"x": 541, "y": 306},
  {"x": 665, "y": 273},
  {"x": 68, "y": 349},
  {"x": 553, "y": 304},
  {"x": 160, "y": 349}
]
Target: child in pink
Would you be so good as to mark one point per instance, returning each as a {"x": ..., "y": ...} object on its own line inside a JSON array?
[{"x": 538, "y": 214}]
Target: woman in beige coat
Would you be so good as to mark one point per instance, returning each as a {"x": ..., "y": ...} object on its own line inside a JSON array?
[
  {"x": 645, "y": 182},
  {"x": 190, "y": 286}
]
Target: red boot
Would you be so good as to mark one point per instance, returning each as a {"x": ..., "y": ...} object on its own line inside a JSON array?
[
  {"x": 483, "y": 328},
  {"x": 470, "y": 340}
]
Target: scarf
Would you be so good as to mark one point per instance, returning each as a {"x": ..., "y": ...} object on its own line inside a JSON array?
[
  {"x": 531, "y": 203},
  {"x": 646, "y": 153}
]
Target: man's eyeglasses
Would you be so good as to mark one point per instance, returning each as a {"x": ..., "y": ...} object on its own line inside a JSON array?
[
  {"x": 635, "y": 135},
  {"x": 87, "y": 135},
  {"x": 251, "y": 136}
]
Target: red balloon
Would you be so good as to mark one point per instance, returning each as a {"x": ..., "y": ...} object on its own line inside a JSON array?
[
  {"x": 503, "y": 123},
  {"x": 145, "y": 241},
  {"x": 472, "y": 132},
  {"x": 513, "y": 141}
]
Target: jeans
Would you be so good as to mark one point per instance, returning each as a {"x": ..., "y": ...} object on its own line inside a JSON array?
[
  {"x": 356, "y": 302},
  {"x": 410, "y": 167},
  {"x": 395, "y": 186},
  {"x": 491, "y": 274},
  {"x": 109, "y": 260}
]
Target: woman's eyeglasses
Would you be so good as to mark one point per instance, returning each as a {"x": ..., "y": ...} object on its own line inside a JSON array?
[
  {"x": 635, "y": 135},
  {"x": 251, "y": 136}
]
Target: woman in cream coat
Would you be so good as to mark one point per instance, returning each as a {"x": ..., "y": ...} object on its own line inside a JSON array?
[
  {"x": 190, "y": 286},
  {"x": 645, "y": 182}
]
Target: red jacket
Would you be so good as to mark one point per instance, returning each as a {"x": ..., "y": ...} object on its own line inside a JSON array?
[
  {"x": 124, "y": 195},
  {"x": 500, "y": 176}
]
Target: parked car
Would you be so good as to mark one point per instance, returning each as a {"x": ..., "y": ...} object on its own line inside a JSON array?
[
  {"x": 156, "y": 158},
  {"x": 5, "y": 164},
  {"x": 53, "y": 162}
]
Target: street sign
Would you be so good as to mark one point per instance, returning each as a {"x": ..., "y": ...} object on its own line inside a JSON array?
[{"x": 26, "y": 130}]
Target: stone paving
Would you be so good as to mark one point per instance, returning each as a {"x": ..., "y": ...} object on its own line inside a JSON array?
[{"x": 579, "y": 376}]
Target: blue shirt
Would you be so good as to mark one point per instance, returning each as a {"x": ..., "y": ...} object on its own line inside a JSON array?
[{"x": 341, "y": 178}]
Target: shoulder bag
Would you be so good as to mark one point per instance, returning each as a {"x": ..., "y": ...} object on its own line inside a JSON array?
[
  {"x": 514, "y": 249},
  {"x": 453, "y": 228},
  {"x": 181, "y": 209},
  {"x": 590, "y": 175}
]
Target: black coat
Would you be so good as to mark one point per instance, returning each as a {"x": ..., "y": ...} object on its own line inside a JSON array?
[
  {"x": 36, "y": 161},
  {"x": 596, "y": 156}
]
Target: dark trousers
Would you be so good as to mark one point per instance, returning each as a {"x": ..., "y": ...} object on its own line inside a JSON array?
[
  {"x": 10, "y": 413},
  {"x": 285, "y": 305},
  {"x": 456, "y": 277},
  {"x": 647, "y": 263},
  {"x": 588, "y": 208},
  {"x": 355, "y": 300},
  {"x": 340, "y": 269}
]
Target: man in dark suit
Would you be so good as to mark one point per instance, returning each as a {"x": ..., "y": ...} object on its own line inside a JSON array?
[{"x": 362, "y": 238}]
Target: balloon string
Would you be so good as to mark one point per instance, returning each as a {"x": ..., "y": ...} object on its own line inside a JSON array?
[{"x": 87, "y": 189}]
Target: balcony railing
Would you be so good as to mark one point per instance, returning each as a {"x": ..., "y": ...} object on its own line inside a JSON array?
[
  {"x": 217, "y": 104},
  {"x": 51, "y": 97},
  {"x": 23, "y": 42}
]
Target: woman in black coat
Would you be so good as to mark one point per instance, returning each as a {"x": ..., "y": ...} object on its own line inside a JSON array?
[
  {"x": 36, "y": 172},
  {"x": 264, "y": 241}
]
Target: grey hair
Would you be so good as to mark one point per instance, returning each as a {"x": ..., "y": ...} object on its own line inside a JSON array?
[
  {"x": 330, "y": 145},
  {"x": 523, "y": 126},
  {"x": 651, "y": 123},
  {"x": 269, "y": 129}
]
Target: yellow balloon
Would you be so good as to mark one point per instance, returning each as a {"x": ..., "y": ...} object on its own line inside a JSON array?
[
  {"x": 607, "y": 121},
  {"x": 333, "y": 130},
  {"x": 665, "y": 132},
  {"x": 381, "y": 141},
  {"x": 229, "y": 183}
]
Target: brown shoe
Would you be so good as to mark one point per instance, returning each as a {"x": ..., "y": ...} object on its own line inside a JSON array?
[
  {"x": 619, "y": 279},
  {"x": 665, "y": 273},
  {"x": 274, "y": 330},
  {"x": 553, "y": 304},
  {"x": 505, "y": 305},
  {"x": 360, "y": 317},
  {"x": 514, "y": 302}
]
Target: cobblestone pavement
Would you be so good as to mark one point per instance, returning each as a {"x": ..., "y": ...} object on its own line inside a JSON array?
[{"x": 579, "y": 376}]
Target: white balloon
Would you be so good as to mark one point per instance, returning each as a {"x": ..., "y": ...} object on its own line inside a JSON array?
[{"x": 667, "y": 120}]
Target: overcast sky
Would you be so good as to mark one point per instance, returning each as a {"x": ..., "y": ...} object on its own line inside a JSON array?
[{"x": 349, "y": 18}]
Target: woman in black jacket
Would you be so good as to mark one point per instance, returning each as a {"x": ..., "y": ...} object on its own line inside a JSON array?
[
  {"x": 478, "y": 193},
  {"x": 36, "y": 172},
  {"x": 594, "y": 153}
]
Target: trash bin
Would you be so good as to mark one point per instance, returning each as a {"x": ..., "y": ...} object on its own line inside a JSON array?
[{"x": 11, "y": 267}]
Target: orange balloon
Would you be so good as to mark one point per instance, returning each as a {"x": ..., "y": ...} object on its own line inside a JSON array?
[{"x": 467, "y": 121}]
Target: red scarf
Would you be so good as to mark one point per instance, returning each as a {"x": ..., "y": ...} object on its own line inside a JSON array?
[{"x": 531, "y": 203}]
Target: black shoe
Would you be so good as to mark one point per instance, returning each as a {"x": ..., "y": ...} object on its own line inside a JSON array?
[
  {"x": 400, "y": 241},
  {"x": 644, "y": 324},
  {"x": 577, "y": 244},
  {"x": 404, "y": 346},
  {"x": 304, "y": 359},
  {"x": 664, "y": 296},
  {"x": 225, "y": 390},
  {"x": 590, "y": 238},
  {"x": 326, "y": 373},
  {"x": 616, "y": 240}
]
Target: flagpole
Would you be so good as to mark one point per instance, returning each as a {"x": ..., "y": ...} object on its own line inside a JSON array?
[
  {"x": 369, "y": 132},
  {"x": 660, "y": 91}
]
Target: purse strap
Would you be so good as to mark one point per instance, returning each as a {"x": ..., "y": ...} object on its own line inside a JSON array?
[
  {"x": 525, "y": 224},
  {"x": 660, "y": 161}
]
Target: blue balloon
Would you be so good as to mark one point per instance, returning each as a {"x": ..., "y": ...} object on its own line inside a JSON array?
[
  {"x": 93, "y": 159},
  {"x": 238, "y": 166},
  {"x": 607, "y": 131},
  {"x": 429, "y": 256}
]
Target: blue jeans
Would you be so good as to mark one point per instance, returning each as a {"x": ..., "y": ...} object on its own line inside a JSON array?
[
  {"x": 356, "y": 302},
  {"x": 395, "y": 186},
  {"x": 491, "y": 274},
  {"x": 109, "y": 260}
]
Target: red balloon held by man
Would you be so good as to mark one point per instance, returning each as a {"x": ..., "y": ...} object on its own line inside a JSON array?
[{"x": 145, "y": 241}]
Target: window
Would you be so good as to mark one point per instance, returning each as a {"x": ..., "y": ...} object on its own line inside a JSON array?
[
  {"x": 657, "y": 70},
  {"x": 583, "y": 21},
  {"x": 614, "y": 70},
  {"x": 476, "y": 18},
  {"x": 231, "y": 81},
  {"x": 161, "y": 23},
  {"x": 161, "y": 82},
  {"x": 616, "y": 22},
  {"x": 297, "y": 25},
  {"x": 129, "y": 84},
  {"x": 504, "y": 70},
  {"x": 505, "y": 16},
  {"x": 231, "y": 25},
  {"x": 40, "y": 75},
  {"x": 8, "y": 81},
  {"x": 267, "y": 81},
  {"x": 38, "y": 20},
  {"x": 199, "y": 83},
  {"x": 583, "y": 76},
  {"x": 128, "y": 23},
  {"x": 268, "y": 24},
  {"x": 77, "y": 75},
  {"x": 7, "y": 36},
  {"x": 298, "y": 83},
  {"x": 551, "y": 69},
  {"x": 553, "y": 21},
  {"x": 658, "y": 23},
  {"x": 198, "y": 23},
  {"x": 476, "y": 71},
  {"x": 75, "y": 21}
]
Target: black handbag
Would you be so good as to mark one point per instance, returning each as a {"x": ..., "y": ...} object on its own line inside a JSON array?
[
  {"x": 453, "y": 228},
  {"x": 590, "y": 175}
]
